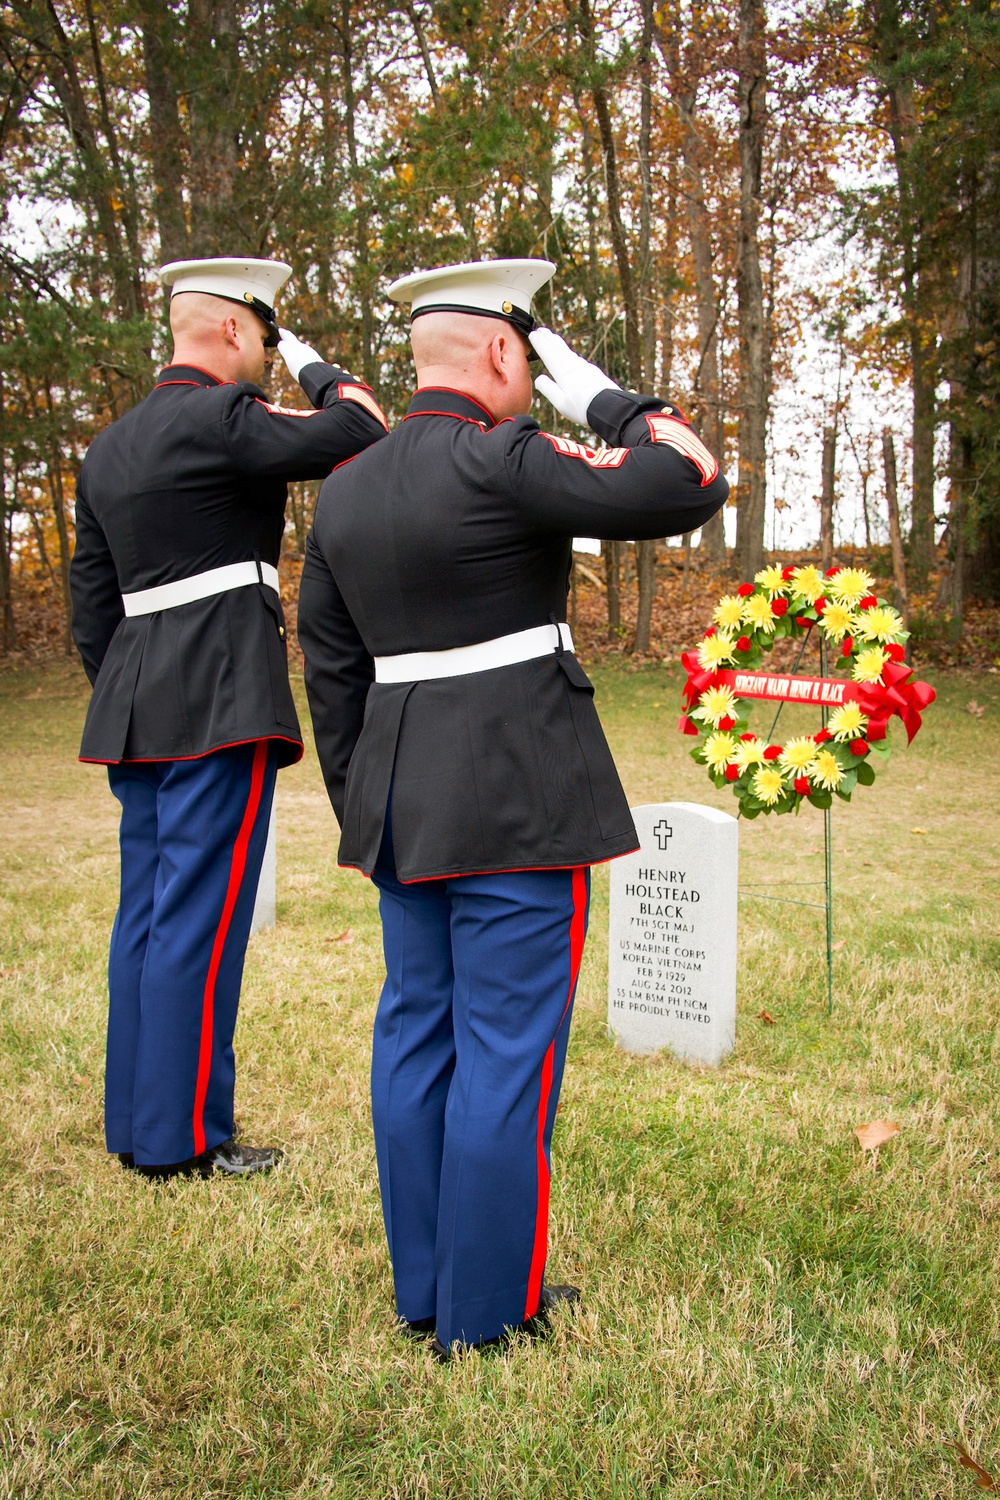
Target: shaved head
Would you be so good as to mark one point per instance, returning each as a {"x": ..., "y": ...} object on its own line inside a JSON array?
[
  {"x": 485, "y": 358},
  {"x": 195, "y": 316},
  {"x": 461, "y": 340},
  {"x": 226, "y": 338}
]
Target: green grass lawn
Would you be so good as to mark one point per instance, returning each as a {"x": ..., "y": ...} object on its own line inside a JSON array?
[{"x": 768, "y": 1311}]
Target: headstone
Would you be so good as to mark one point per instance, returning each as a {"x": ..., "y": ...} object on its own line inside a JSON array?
[
  {"x": 672, "y": 947},
  {"x": 265, "y": 906}
]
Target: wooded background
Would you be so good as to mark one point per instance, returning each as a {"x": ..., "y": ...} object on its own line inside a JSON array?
[{"x": 679, "y": 162}]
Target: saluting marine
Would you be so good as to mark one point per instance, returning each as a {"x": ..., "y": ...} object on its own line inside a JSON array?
[
  {"x": 467, "y": 766},
  {"x": 177, "y": 616}
]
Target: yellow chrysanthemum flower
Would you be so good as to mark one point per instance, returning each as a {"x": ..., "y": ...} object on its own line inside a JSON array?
[
  {"x": 770, "y": 578},
  {"x": 869, "y": 664},
  {"x": 837, "y": 621},
  {"x": 827, "y": 772},
  {"x": 810, "y": 583},
  {"x": 757, "y": 612},
  {"x": 716, "y": 703},
  {"x": 715, "y": 649},
  {"x": 719, "y": 751},
  {"x": 850, "y": 585},
  {"x": 798, "y": 756},
  {"x": 749, "y": 753},
  {"x": 728, "y": 612},
  {"x": 880, "y": 624},
  {"x": 768, "y": 785},
  {"x": 847, "y": 722}
]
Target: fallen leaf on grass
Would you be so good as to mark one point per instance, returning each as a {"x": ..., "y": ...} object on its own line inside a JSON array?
[
  {"x": 918, "y": 830},
  {"x": 768, "y": 1020},
  {"x": 975, "y": 709},
  {"x": 347, "y": 936},
  {"x": 870, "y": 1137},
  {"x": 984, "y": 1480},
  {"x": 836, "y": 947}
]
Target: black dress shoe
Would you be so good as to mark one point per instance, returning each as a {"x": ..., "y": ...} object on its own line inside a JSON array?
[
  {"x": 127, "y": 1160},
  {"x": 416, "y": 1328},
  {"x": 230, "y": 1157},
  {"x": 237, "y": 1160},
  {"x": 536, "y": 1327}
]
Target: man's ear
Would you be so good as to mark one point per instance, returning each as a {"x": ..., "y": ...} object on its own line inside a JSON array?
[
  {"x": 499, "y": 356},
  {"x": 231, "y": 333}
]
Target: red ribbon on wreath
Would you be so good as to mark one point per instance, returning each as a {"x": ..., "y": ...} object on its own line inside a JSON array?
[{"x": 894, "y": 693}]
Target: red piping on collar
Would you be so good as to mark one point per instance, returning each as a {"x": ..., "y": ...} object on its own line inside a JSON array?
[{"x": 451, "y": 392}]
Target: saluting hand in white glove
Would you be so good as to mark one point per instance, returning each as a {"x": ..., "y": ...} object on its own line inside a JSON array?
[
  {"x": 295, "y": 353},
  {"x": 572, "y": 382}
]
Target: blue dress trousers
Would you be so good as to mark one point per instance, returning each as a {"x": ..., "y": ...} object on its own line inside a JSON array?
[
  {"x": 467, "y": 1062},
  {"x": 192, "y": 838}
]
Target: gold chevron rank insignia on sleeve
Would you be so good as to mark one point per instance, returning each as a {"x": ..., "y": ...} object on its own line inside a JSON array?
[{"x": 677, "y": 434}]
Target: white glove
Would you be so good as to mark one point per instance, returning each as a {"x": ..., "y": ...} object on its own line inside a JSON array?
[
  {"x": 574, "y": 381},
  {"x": 295, "y": 353}
]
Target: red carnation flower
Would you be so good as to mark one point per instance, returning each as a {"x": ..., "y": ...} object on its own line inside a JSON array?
[
  {"x": 822, "y": 736},
  {"x": 859, "y": 747},
  {"x": 801, "y": 785},
  {"x": 819, "y": 605},
  {"x": 745, "y": 590},
  {"x": 708, "y": 632},
  {"x": 786, "y": 573},
  {"x": 747, "y": 737},
  {"x": 804, "y": 622},
  {"x": 779, "y": 606},
  {"x": 832, "y": 572},
  {"x": 773, "y": 751},
  {"x": 727, "y": 723},
  {"x": 894, "y": 651},
  {"x": 847, "y": 646},
  {"x": 743, "y": 644},
  {"x": 732, "y": 773},
  {"x": 868, "y": 602}
]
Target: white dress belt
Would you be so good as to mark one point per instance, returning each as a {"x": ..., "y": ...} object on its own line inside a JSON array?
[
  {"x": 504, "y": 651},
  {"x": 200, "y": 586}
]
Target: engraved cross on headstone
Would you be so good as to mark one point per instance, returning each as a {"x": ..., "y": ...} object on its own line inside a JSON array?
[{"x": 662, "y": 832}]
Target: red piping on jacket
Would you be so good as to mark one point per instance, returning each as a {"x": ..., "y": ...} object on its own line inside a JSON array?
[
  {"x": 237, "y": 870},
  {"x": 513, "y": 870},
  {"x": 577, "y": 932},
  {"x": 154, "y": 760},
  {"x": 451, "y": 391}
]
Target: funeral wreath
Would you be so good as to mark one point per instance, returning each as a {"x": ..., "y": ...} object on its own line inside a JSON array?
[{"x": 862, "y": 632}]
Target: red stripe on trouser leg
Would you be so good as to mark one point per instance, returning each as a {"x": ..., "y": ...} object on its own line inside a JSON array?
[
  {"x": 237, "y": 869},
  {"x": 577, "y": 932}
]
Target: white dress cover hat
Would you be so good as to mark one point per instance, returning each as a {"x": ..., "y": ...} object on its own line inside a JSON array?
[
  {"x": 491, "y": 288},
  {"x": 253, "y": 282}
]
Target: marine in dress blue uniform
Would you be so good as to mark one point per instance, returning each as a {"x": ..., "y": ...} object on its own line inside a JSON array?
[
  {"x": 178, "y": 619},
  {"x": 467, "y": 766}
]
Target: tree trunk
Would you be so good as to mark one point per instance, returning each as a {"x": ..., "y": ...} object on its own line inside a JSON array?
[
  {"x": 365, "y": 274},
  {"x": 923, "y": 357},
  {"x": 754, "y": 354},
  {"x": 645, "y": 567},
  {"x": 602, "y": 110},
  {"x": 213, "y": 68},
  {"x": 613, "y": 578},
  {"x": 707, "y": 415},
  {"x": 895, "y": 534},
  {"x": 166, "y": 137},
  {"x": 645, "y": 550},
  {"x": 826, "y": 497},
  {"x": 7, "y": 633}
]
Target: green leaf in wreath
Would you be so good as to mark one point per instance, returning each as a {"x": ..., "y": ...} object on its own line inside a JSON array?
[
  {"x": 866, "y": 774},
  {"x": 821, "y": 799}
]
